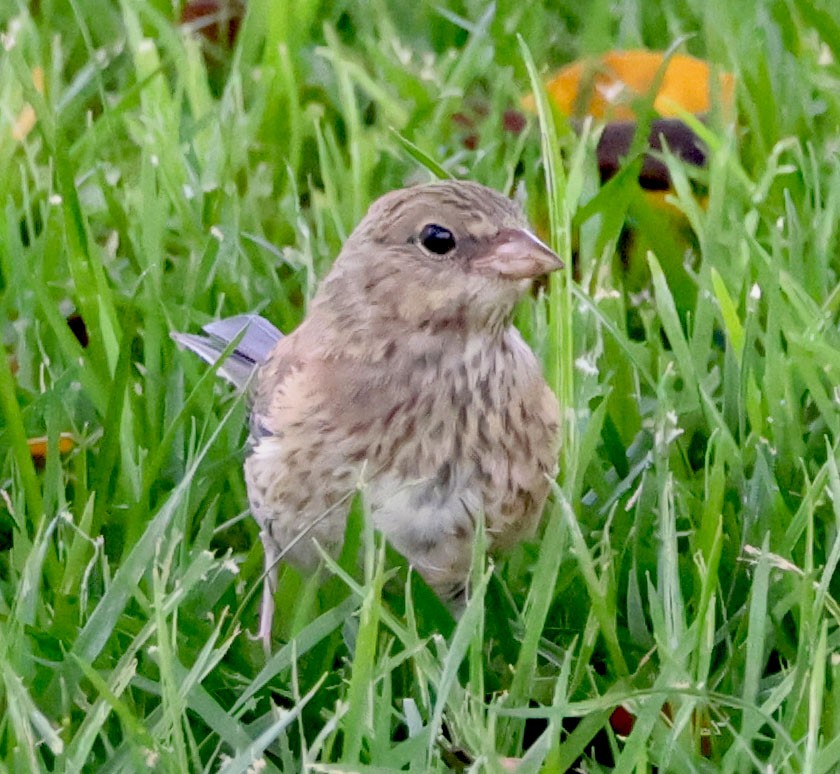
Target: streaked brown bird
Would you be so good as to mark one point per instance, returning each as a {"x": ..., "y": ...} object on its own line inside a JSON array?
[{"x": 407, "y": 378}]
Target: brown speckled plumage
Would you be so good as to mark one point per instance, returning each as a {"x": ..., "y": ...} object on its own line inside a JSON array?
[{"x": 408, "y": 375}]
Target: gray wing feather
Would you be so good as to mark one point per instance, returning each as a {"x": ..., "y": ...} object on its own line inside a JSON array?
[
  {"x": 258, "y": 341},
  {"x": 253, "y": 348}
]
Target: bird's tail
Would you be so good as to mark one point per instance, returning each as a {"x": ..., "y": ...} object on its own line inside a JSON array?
[{"x": 258, "y": 337}]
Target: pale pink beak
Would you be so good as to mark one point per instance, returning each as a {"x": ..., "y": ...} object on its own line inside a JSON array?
[{"x": 517, "y": 254}]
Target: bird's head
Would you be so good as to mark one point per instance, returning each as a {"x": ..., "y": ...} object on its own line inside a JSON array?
[{"x": 450, "y": 253}]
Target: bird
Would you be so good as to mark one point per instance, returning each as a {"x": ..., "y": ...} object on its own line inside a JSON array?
[{"x": 406, "y": 378}]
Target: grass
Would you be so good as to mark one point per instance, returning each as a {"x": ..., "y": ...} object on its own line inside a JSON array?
[{"x": 686, "y": 568}]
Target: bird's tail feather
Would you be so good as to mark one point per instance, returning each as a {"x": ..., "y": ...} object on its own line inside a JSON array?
[{"x": 258, "y": 339}]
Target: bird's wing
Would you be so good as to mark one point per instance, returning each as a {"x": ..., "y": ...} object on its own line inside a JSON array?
[
  {"x": 285, "y": 385},
  {"x": 258, "y": 339},
  {"x": 305, "y": 388}
]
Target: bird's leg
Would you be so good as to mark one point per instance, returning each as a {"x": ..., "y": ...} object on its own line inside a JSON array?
[{"x": 269, "y": 587}]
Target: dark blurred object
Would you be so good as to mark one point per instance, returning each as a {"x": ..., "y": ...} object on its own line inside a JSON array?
[
  {"x": 513, "y": 121},
  {"x": 672, "y": 133},
  {"x": 622, "y": 721},
  {"x": 218, "y": 21},
  {"x": 77, "y": 325}
]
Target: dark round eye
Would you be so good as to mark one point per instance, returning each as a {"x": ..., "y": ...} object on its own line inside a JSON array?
[{"x": 437, "y": 239}]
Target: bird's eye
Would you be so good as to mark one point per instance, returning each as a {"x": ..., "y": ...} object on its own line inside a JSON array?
[{"x": 437, "y": 239}]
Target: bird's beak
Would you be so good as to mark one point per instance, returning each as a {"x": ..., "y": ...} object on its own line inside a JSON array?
[{"x": 517, "y": 254}]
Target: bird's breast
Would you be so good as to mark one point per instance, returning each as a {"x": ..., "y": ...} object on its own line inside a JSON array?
[{"x": 469, "y": 430}]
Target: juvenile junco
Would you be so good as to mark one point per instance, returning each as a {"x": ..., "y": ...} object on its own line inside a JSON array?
[{"x": 406, "y": 376}]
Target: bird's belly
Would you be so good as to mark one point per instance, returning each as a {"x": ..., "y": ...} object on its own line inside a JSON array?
[{"x": 431, "y": 525}]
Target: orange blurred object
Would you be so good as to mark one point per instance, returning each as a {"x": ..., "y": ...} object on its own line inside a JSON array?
[
  {"x": 38, "y": 446},
  {"x": 609, "y": 88},
  {"x": 609, "y": 85},
  {"x": 25, "y": 121}
]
